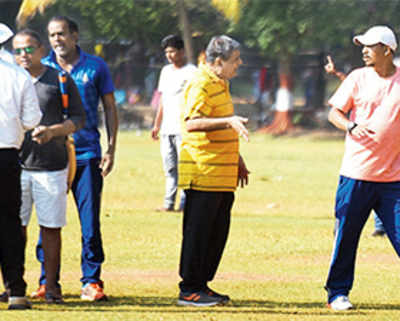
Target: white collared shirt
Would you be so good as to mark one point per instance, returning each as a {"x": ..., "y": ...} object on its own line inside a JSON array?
[{"x": 19, "y": 106}]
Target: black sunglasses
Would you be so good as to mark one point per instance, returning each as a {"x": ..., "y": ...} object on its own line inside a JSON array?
[{"x": 28, "y": 50}]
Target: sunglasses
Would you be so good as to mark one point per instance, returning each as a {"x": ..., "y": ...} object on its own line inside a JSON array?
[{"x": 28, "y": 50}]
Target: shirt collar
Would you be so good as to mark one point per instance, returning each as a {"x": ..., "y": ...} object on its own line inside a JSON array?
[
  {"x": 82, "y": 57},
  {"x": 212, "y": 75},
  {"x": 36, "y": 79}
]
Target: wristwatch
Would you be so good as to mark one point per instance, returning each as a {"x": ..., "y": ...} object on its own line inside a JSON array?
[{"x": 350, "y": 126}]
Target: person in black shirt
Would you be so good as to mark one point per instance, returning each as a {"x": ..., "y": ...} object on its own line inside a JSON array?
[{"x": 44, "y": 154}]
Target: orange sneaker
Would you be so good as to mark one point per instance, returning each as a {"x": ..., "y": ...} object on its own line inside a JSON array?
[
  {"x": 93, "y": 292},
  {"x": 39, "y": 293}
]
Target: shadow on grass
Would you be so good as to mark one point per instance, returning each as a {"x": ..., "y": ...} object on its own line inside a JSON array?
[{"x": 138, "y": 304}]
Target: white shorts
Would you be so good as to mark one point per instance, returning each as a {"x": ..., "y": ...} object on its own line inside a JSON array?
[{"x": 48, "y": 190}]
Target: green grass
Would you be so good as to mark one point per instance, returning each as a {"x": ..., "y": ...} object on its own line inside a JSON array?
[{"x": 276, "y": 260}]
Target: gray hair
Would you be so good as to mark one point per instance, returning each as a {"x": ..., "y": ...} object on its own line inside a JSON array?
[{"x": 221, "y": 46}]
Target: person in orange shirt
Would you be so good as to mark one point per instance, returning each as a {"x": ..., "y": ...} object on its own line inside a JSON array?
[
  {"x": 330, "y": 68},
  {"x": 370, "y": 171}
]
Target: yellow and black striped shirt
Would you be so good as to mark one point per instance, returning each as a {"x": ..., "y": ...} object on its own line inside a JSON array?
[{"x": 208, "y": 160}]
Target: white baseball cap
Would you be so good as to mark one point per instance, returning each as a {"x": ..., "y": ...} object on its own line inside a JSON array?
[
  {"x": 375, "y": 35},
  {"x": 5, "y": 33}
]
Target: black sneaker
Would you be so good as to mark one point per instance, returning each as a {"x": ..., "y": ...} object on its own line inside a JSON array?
[
  {"x": 52, "y": 298},
  {"x": 224, "y": 298},
  {"x": 198, "y": 299}
]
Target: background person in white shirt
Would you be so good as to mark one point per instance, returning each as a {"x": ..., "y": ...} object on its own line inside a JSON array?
[
  {"x": 173, "y": 79},
  {"x": 19, "y": 111}
]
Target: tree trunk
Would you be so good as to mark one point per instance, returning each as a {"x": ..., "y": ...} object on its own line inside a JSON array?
[
  {"x": 319, "y": 100},
  {"x": 186, "y": 31},
  {"x": 282, "y": 122}
]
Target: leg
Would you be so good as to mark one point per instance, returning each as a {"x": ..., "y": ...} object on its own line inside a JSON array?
[
  {"x": 40, "y": 258},
  {"x": 200, "y": 213},
  {"x": 170, "y": 163},
  {"x": 12, "y": 256},
  {"x": 26, "y": 203},
  {"x": 354, "y": 201},
  {"x": 219, "y": 234},
  {"x": 87, "y": 189},
  {"x": 178, "y": 142},
  {"x": 49, "y": 192},
  {"x": 52, "y": 253},
  {"x": 388, "y": 210}
]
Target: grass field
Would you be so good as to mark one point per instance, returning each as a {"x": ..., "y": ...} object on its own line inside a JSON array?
[{"x": 276, "y": 260}]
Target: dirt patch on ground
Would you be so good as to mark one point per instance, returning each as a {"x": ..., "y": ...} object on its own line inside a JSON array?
[
  {"x": 379, "y": 258},
  {"x": 130, "y": 275}
]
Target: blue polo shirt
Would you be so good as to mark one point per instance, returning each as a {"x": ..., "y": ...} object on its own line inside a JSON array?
[{"x": 93, "y": 79}]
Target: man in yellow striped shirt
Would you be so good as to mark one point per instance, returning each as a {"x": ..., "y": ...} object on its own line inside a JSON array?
[{"x": 210, "y": 168}]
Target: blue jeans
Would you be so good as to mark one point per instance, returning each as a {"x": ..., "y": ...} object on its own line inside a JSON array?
[
  {"x": 170, "y": 147},
  {"x": 354, "y": 201},
  {"x": 87, "y": 188}
]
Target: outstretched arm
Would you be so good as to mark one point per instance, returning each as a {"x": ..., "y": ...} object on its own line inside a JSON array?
[
  {"x": 331, "y": 69},
  {"x": 237, "y": 123}
]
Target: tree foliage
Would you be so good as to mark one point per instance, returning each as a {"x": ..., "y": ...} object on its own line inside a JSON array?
[
  {"x": 131, "y": 21},
  {"x": 276, "y": 28},
  {"x": 287, "y": 27}
]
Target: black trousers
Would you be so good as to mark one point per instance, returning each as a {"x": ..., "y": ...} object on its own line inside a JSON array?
[
  {"x": 206, "y": 220},
  {"x": 12, "y": 257}
]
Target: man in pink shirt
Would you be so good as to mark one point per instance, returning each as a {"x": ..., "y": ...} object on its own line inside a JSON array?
[{"x": 367, "y": 107}]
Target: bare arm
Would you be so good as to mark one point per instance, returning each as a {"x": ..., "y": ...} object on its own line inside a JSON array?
[
  {"x": 237, "y": 123},
  {"x": 111, "y": 121},
  {"x": 338, "y": 118},
  {"x": 76, "y": 119},
  {"x": 157, "y": 121},
  {"x": 43, "y": 134},
  {"x": 330, "y": 68}
]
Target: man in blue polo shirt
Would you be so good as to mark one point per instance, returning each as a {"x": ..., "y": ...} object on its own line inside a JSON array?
[{"x": 94, "y": 83}]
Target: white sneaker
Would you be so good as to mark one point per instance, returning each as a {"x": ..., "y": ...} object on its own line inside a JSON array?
[{"x": 341, "y": 303}]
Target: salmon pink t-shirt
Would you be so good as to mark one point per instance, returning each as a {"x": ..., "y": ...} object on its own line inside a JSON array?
[{"x": 372, "y": 101}]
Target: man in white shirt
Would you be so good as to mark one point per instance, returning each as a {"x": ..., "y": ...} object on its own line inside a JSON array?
[
  {"x": 19, "y": 111},
  {"x": 173, "y": 79}
]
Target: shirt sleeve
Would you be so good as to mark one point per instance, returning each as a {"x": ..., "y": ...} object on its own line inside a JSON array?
[
  {"x": 76, "y": 112},
  {"x": 30, "y": 110},
  {"x": 343, "y": 97},
  {"x": 105, "y": 83},
  {"x": 197, "y": 102}
]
